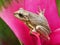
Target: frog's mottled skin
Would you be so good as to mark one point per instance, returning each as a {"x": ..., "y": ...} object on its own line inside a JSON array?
[{"x": 36, "y": 22}]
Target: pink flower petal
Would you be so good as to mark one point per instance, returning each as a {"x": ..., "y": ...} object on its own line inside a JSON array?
[
  {"x": 22, "y": 31},
  {"x": 55, "y": 37}
]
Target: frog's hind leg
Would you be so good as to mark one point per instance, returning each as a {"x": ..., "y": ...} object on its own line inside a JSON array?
[{"x": 42, "y": 31}]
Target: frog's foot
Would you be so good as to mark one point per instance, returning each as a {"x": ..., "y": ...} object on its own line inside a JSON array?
[
  {"x": 40, "y": 11},
  {"x": 34, "y": 30},
  {"x": 42, "y": 30}
]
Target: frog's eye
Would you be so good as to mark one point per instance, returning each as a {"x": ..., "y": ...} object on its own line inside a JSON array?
[{"x": 20, "y": 15}]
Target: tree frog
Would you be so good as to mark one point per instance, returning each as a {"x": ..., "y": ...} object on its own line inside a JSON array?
[{"x": 36, "y": 22}]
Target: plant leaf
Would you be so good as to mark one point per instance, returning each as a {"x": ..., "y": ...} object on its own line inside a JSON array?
[
  {"x": 58, "y": 5},
  {"x": 7, "y": 37}
]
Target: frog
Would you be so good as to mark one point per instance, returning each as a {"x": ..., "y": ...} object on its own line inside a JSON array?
[{"x": 36, "y": 22}]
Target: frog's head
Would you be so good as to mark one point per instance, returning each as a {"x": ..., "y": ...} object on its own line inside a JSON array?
[{"x": 21, "y": 14}]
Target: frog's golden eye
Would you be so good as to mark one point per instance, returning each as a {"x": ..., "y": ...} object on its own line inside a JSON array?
[{"x": 21, "y": 15}]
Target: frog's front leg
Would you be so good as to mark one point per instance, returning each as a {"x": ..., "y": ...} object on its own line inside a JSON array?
[
  {"x": 40, "y": 11},
  {"x": 42, "y": 31},
  {"x": 30, "y": 25}
]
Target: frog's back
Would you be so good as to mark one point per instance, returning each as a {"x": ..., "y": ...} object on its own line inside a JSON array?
[{"x": 38, "y": 20}]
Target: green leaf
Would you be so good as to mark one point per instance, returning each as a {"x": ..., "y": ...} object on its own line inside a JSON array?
[
  {"x": 7, "y": 37},
  {"x": 58, "y": 5}
]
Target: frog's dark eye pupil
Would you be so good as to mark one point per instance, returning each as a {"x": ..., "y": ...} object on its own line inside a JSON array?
[{"x": 21, "y": 15}]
